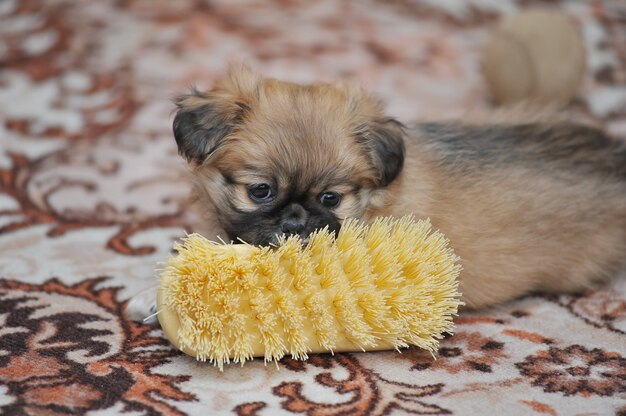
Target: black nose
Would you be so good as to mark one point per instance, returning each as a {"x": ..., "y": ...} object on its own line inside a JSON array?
[{"x": 292, "y": 226}]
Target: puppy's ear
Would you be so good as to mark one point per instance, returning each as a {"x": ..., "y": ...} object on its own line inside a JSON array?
[
  {"x": 384, "y": 141},
  {"x": 204, "y": 120}
]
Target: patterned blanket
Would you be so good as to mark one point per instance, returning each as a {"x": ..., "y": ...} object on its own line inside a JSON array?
[{"x": 90, "y": 203}]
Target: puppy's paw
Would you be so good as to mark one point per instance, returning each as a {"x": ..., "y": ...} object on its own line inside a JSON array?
[{"x": 142, "y": 307}]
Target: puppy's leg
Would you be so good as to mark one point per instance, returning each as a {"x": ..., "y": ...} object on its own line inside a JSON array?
[{"x": 143, "y": 307}]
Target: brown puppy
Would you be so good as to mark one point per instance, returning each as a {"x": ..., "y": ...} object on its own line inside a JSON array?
[{"x": 527, "y": 204}]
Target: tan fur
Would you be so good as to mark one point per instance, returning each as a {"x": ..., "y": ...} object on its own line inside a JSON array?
[
  {"x": 516, "y": 235},
  {"x": 516, "y": 228}
]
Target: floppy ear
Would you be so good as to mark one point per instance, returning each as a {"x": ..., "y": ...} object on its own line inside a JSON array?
[
  {"x": 384, "y": 141},
  {"x": 204, "y": 120}
]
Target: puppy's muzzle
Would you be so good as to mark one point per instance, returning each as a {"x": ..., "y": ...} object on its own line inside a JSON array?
[
  {"x": 292, "y": 226},
  {"x": 293, "y": 221}
]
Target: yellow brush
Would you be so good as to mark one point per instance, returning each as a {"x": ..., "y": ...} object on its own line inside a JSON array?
[{"x": 387, "y": 286}]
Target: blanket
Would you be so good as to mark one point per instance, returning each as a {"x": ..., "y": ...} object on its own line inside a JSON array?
[{"x": 90, "y": 203}]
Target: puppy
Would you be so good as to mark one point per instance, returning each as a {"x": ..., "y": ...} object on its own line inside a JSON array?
[{"x": 528, "y": 204}]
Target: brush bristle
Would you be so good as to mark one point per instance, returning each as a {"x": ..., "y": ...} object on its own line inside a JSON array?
[{"x": 385, "y": 286}]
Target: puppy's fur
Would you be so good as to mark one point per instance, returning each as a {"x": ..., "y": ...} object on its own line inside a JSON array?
[{"x": 528, "y": 204}]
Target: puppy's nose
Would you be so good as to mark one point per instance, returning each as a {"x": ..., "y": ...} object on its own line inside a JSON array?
[{"x": 292, "y": 226}]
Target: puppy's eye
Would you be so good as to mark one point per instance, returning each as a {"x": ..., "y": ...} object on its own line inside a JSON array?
[
  {"x": 330, "y": 199},
  {"x": 260, "y": 192}
]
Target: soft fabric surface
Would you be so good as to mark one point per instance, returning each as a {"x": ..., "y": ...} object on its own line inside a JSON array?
[{"x": 89, "y": 204}]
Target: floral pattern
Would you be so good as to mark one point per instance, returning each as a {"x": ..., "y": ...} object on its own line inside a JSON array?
[
  {"x": 576, "y": 370},
  {"x": 58, "y": 360},
  {"x": 91, "y": 199},
  {"x": 467, "y": 351}
]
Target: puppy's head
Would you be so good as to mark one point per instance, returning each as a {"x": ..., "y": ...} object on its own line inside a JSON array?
[{"x": 271, "y": 158}]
